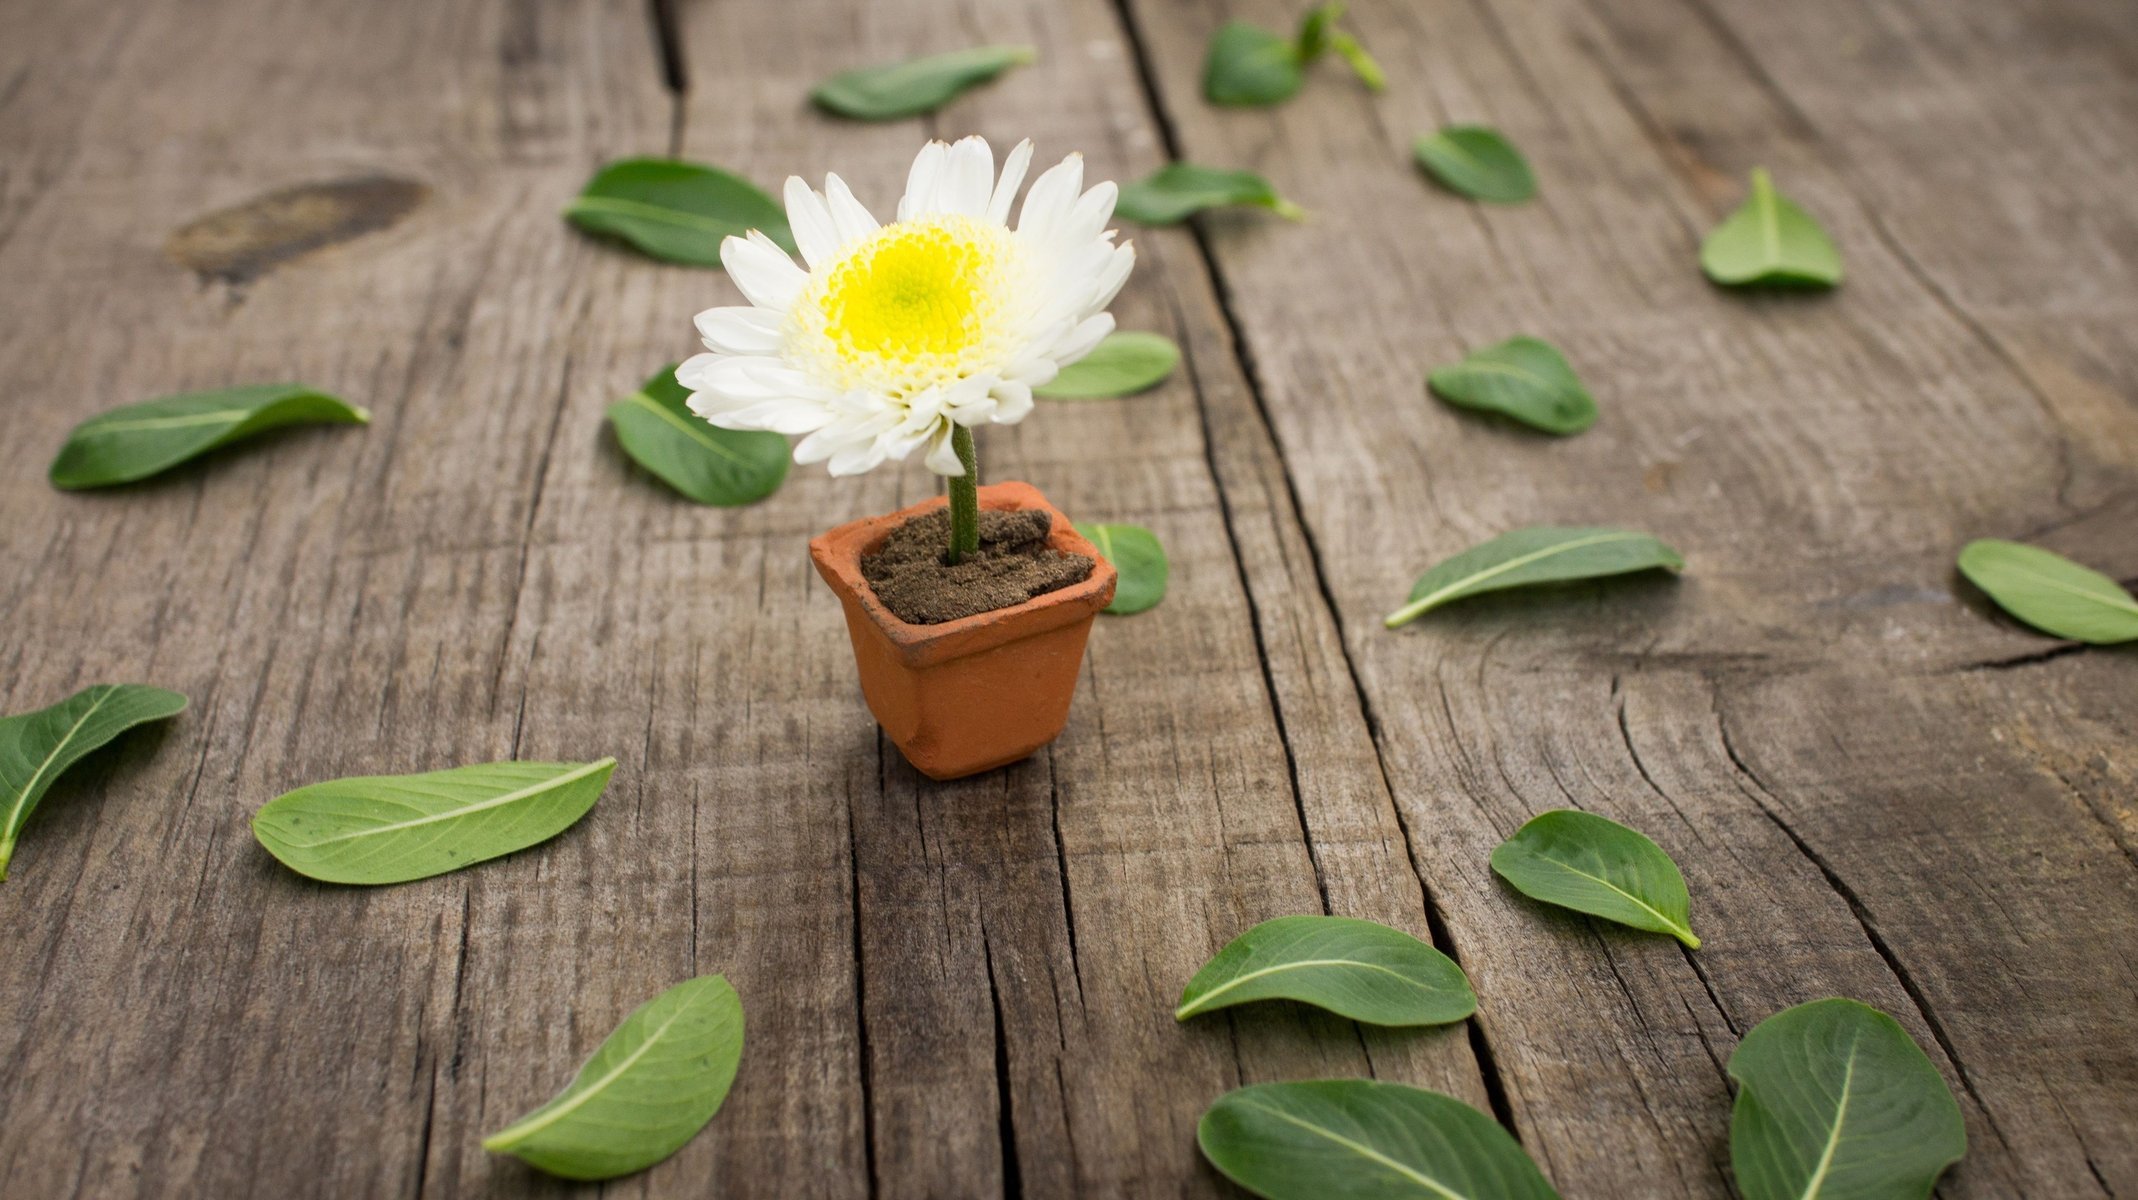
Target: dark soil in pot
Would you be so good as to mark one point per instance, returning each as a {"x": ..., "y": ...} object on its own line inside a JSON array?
[{"x": 911, "y": 577}]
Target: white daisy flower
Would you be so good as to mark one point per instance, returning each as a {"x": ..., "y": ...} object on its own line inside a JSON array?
[{"x": 896, "y": 336}]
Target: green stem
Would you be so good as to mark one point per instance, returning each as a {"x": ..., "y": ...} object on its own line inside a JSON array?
[{"x": 964, "y": 497}]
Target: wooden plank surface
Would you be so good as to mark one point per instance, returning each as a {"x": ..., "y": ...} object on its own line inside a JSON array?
[{"x": 1877, "y": 786}]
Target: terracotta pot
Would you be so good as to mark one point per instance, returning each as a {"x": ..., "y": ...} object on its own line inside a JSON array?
[{"x": 979, "y": 692}]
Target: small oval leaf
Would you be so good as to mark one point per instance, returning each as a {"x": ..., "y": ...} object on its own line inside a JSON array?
[
  {"x": 1139, "y": 561},
  {"x": 704, "y": 462},
  {"x": 1595, "y": 865},
  {"x": 649, "y": 1088},
  {"x": 1357, "y": 969},
  {"x": 1538, "y": 554},
  {"x": 1173, "y": 193},
  {"x": 395, "y": 828},
  {"x": 1478, "y": 162},
  {"x": 140, "y": 440},
  {"x": 1333, "y": 1139},
  {"x": 1122, "y": 364},
  {"x": 1523, "y": 378},
  {"x": 906, "y": 89},
  {"x": 1771, "y": 242},
  {"x": 2050, "y": 592},
  {"x": 1836, "y": 1102},
  {"x": 36, "y": 747},
  {"x": 1248, "y": 65},
  {"x": 676, "y": 211}
]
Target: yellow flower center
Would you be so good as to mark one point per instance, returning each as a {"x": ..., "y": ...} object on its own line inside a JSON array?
[
  {"x": 915, "y": 305},
  {"x": 910, "y": 294}
]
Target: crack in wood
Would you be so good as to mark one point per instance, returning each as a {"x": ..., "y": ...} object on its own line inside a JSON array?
[{"x": 1862, "y": 915}]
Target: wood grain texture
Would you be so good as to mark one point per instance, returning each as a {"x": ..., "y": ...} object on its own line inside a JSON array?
[
  {"x": 1814, "y": 722},
  {"x": 1876, "y": 785}
]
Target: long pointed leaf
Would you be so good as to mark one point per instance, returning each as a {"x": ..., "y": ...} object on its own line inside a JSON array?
[
  {"x": 1330, "y": 1139},
  {"x": 1358, "y": 969},
  {"x": 1539, "y": 554},
  {"x": 394, "y": 828},
  {"x": 137, "y": 441},
  {"x": 648, "y": 1089},
  {"x": 35, "y": 747},
  {"x": 1595, "y": 865}
]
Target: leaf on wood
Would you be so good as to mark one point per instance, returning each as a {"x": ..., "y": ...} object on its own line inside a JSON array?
[
  {"x": 395, "y": 828},
  {"x": 1770, "y": 242},
  {"x": 1331, "y": 1138},
  {"x": 921, "y": 85},
  {"x": 1836, "y": 1102},
  {"x": 2050, "y": 592},
  {"x": 649, "y": 1088},
  {"x": 1523, "y": 378},
  {"x": 1247, "y": 65},
  {"x": 1358, "y": 969},
  {"x": 1478, "y": 162},
  {"x": 1538, "y": 554},
  {"x": 676, "y": 211},
  {"x": 1139, "y": 562},
  {"x": 1178, "y": 191},
  {"x": 1595, "y": 865},
  {"x": 140, "y": 440},
  {"x": 704, "y": 462},
  {"x": 36, "y": 747},
  {"x": 1122, "y": 364}
]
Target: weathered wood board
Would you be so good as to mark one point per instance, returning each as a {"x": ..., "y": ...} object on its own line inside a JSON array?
[{"x": 1877, "y": 786}]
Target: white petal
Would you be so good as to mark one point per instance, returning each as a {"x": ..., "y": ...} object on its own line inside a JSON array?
[
  {"x": 1012, "y": 401},
  {"x": 739, "y": 329},
  {"x": 1115, "y": 274},
  {"x": 848, "y": 215},
  {"x": 921, "y": 180},
  {"x": 1093, "y": 209},
  {"x": 1013, "y": 169},
  {"x": 854, "y": 460},
  {"x": 811, "y": 223},
  {"x": 1081, "y": 339},
  {"x": 762, "y": 270},
  {"x": 1051, "y": 197},
  {"x": 942, "y": 455},
  {"x": 1037, "y": 371},
  {"x": 968, "y": 178}
]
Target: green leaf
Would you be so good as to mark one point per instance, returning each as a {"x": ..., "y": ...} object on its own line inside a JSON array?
[
  {"x": 1597, "y": 866},
  {"x": 1474, "y": 161},
  {"x": 920, "y": 85},
  {"x": 1120, "y": 365},
  {"x": 1357, "y": 969},
  {"x": 1248, "y": 65},
  {"x": 1836, "y": 1102},
  {"x": 35, "y": 747},
  {"x": 140, "y": 440},
  {"x": 1770, "y": 241},
  {"x": 2050, "y": 592},
  {"x": 649, "y": 1088},
  {"x": 1139, "y": 561},
  {"x": 1360, "y": 1139},
  {"x": 704, "y": 462},
  {"x": 1538, "y": 554},
  {"x": 1318, "y": 34},
  {"x": 1523, "y": 378},
  {"x": 1173, "y": 193},
  {"x": 676, "y": 211},
  {"x": 394, "y": 828}
]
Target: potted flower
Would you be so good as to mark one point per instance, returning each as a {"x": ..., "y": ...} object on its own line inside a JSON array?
[{"x": 968, "y": 613}]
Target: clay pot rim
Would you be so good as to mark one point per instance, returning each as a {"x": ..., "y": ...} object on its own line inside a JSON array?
[{"x": 837, "y": 554}]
